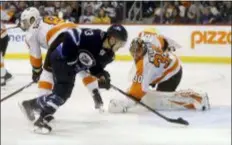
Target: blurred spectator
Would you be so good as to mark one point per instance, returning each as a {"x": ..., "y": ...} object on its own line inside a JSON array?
[
  {"x": 146, "y": 12},
  {"x": 175, "y": 17},
  {"x": 167, "y": 15},
  {"x": 76, "y": 11},
  {"x": 207, "y": 17},
  {"x": 182, "y": 14},
  {"x": 49, "y": 8},
  {"x": 157, "y": 16},
  {"x": 226, "y": 12},
  {"x": 68, "y": 14},
  {"x": 119, "y": 10},
  {"x": 110, "y": 9},
  {"x": 88, "y": 16},
  {"x": 148, "y": 8},
  {"x": 102, "y": 18},
  {"x": 194, "y": 12},
  {"x": 42, "y": 10},
  {"x": 134, "y": 12}
]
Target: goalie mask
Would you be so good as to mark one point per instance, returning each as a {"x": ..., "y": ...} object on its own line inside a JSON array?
[{"x": 138, "y": 48}]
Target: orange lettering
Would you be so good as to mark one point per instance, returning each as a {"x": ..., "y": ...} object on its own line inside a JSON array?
[
  {"x": 222, "y": 35},
  {"x": 193, "y": 37},
  {"x": 229, "y": 38},
  {"x": 210, "y": 37}
]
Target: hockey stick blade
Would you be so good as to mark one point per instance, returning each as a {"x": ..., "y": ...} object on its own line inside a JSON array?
[
  {"x": 16, "y": 92},
  {"x": 178, "y": 121}
]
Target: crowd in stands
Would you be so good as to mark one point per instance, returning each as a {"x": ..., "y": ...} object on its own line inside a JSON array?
[{"x": 144, "y": 12}]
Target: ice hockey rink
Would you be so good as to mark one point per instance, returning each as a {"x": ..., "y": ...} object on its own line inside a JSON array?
[{"x": 78, "y": 123}]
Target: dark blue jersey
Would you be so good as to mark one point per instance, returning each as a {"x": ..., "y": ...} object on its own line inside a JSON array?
[{"x": 84, "y": 47}]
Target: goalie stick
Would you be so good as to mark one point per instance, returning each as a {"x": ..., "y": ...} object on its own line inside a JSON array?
[
  {"x": 178, "y": 121},
  {"x": 16, "y": 92}
]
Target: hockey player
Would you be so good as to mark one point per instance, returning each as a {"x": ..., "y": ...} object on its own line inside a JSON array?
[
  {"x": 87, "y": 50},
  {"x": 47, "y": 34},
  {"x": 5, "y": 16},
  {"x": 160, "y": 69}
]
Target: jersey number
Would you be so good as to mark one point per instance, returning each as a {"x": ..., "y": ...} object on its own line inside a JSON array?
[
  {"x": 138, "y": 78},
  {"x": 158, "y": 59}
]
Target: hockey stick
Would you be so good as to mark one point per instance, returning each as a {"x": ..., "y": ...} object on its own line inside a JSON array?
[
  {"x": 178, "y": 121},
  {"x": 16, "y": 92}
]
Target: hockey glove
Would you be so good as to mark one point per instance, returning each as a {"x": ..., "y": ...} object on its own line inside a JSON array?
[
  {"x": 36, "y": 72},
  {"x": 104, "y": 80}
]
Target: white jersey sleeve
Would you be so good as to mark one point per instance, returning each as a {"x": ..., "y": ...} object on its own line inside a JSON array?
[{"x": 34, "y": 48}]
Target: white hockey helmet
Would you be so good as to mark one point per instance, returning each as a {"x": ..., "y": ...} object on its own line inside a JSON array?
[{"x": 29, "y": 17}]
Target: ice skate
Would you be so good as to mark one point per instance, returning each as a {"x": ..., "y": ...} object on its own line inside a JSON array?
[
  {"x": 41, "y": 125},
  {"x": 28, "y": 110}
]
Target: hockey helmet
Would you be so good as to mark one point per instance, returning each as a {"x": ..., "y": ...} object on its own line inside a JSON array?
[
  {"x": 138, "y": 47},
  {"x": 30, "y": 16},
  {"x": 118, "y": 31}
]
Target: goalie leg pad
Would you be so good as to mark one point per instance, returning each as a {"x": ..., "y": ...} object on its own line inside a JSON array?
[{"x": 181, "y": 100}]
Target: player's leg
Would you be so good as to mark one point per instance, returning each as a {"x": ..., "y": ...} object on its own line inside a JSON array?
[
  {"x": 117, "y": 106},
  {"x": 45, "y": 84},
  {"x": 3, "y": 71},
  {"x": 64, "y": 78},
  {"x": 92, "y": 85},
  {"x": 167, "y": 98},
  {"x": 5, "y": 75},
  {"x": 171, "y": 84}
]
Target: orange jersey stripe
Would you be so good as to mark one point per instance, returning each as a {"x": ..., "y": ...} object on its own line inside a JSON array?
[
  {"x": 89, "y": 79},
  {"x": 58, "y": 28},
  {"x": 136, "y": 88},
  {"x": 161, "y": 40},
  {"x": 36, "y": 62},
  {"x": 45, "y": 85},
  {"x": 168, "y": 71}
]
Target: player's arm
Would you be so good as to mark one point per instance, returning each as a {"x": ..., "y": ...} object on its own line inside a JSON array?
[
  {"x": 168, "y": 44},
  {"x": 98, "y": 69},
  {"x": 35, "y": 58}
]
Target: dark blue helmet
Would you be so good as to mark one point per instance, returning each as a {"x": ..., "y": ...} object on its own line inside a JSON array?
[{"x": 117, "y": 31}]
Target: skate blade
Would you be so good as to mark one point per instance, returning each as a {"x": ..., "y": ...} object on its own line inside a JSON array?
[{"x": 41, "y": 130}]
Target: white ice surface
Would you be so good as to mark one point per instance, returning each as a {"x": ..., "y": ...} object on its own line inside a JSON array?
[{"x": 77, "y": 123}]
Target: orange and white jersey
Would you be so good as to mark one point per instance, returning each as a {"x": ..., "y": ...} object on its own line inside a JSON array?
[
  {"x": 155, "y": 67},
  {"x": 42, "y": 37}
]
